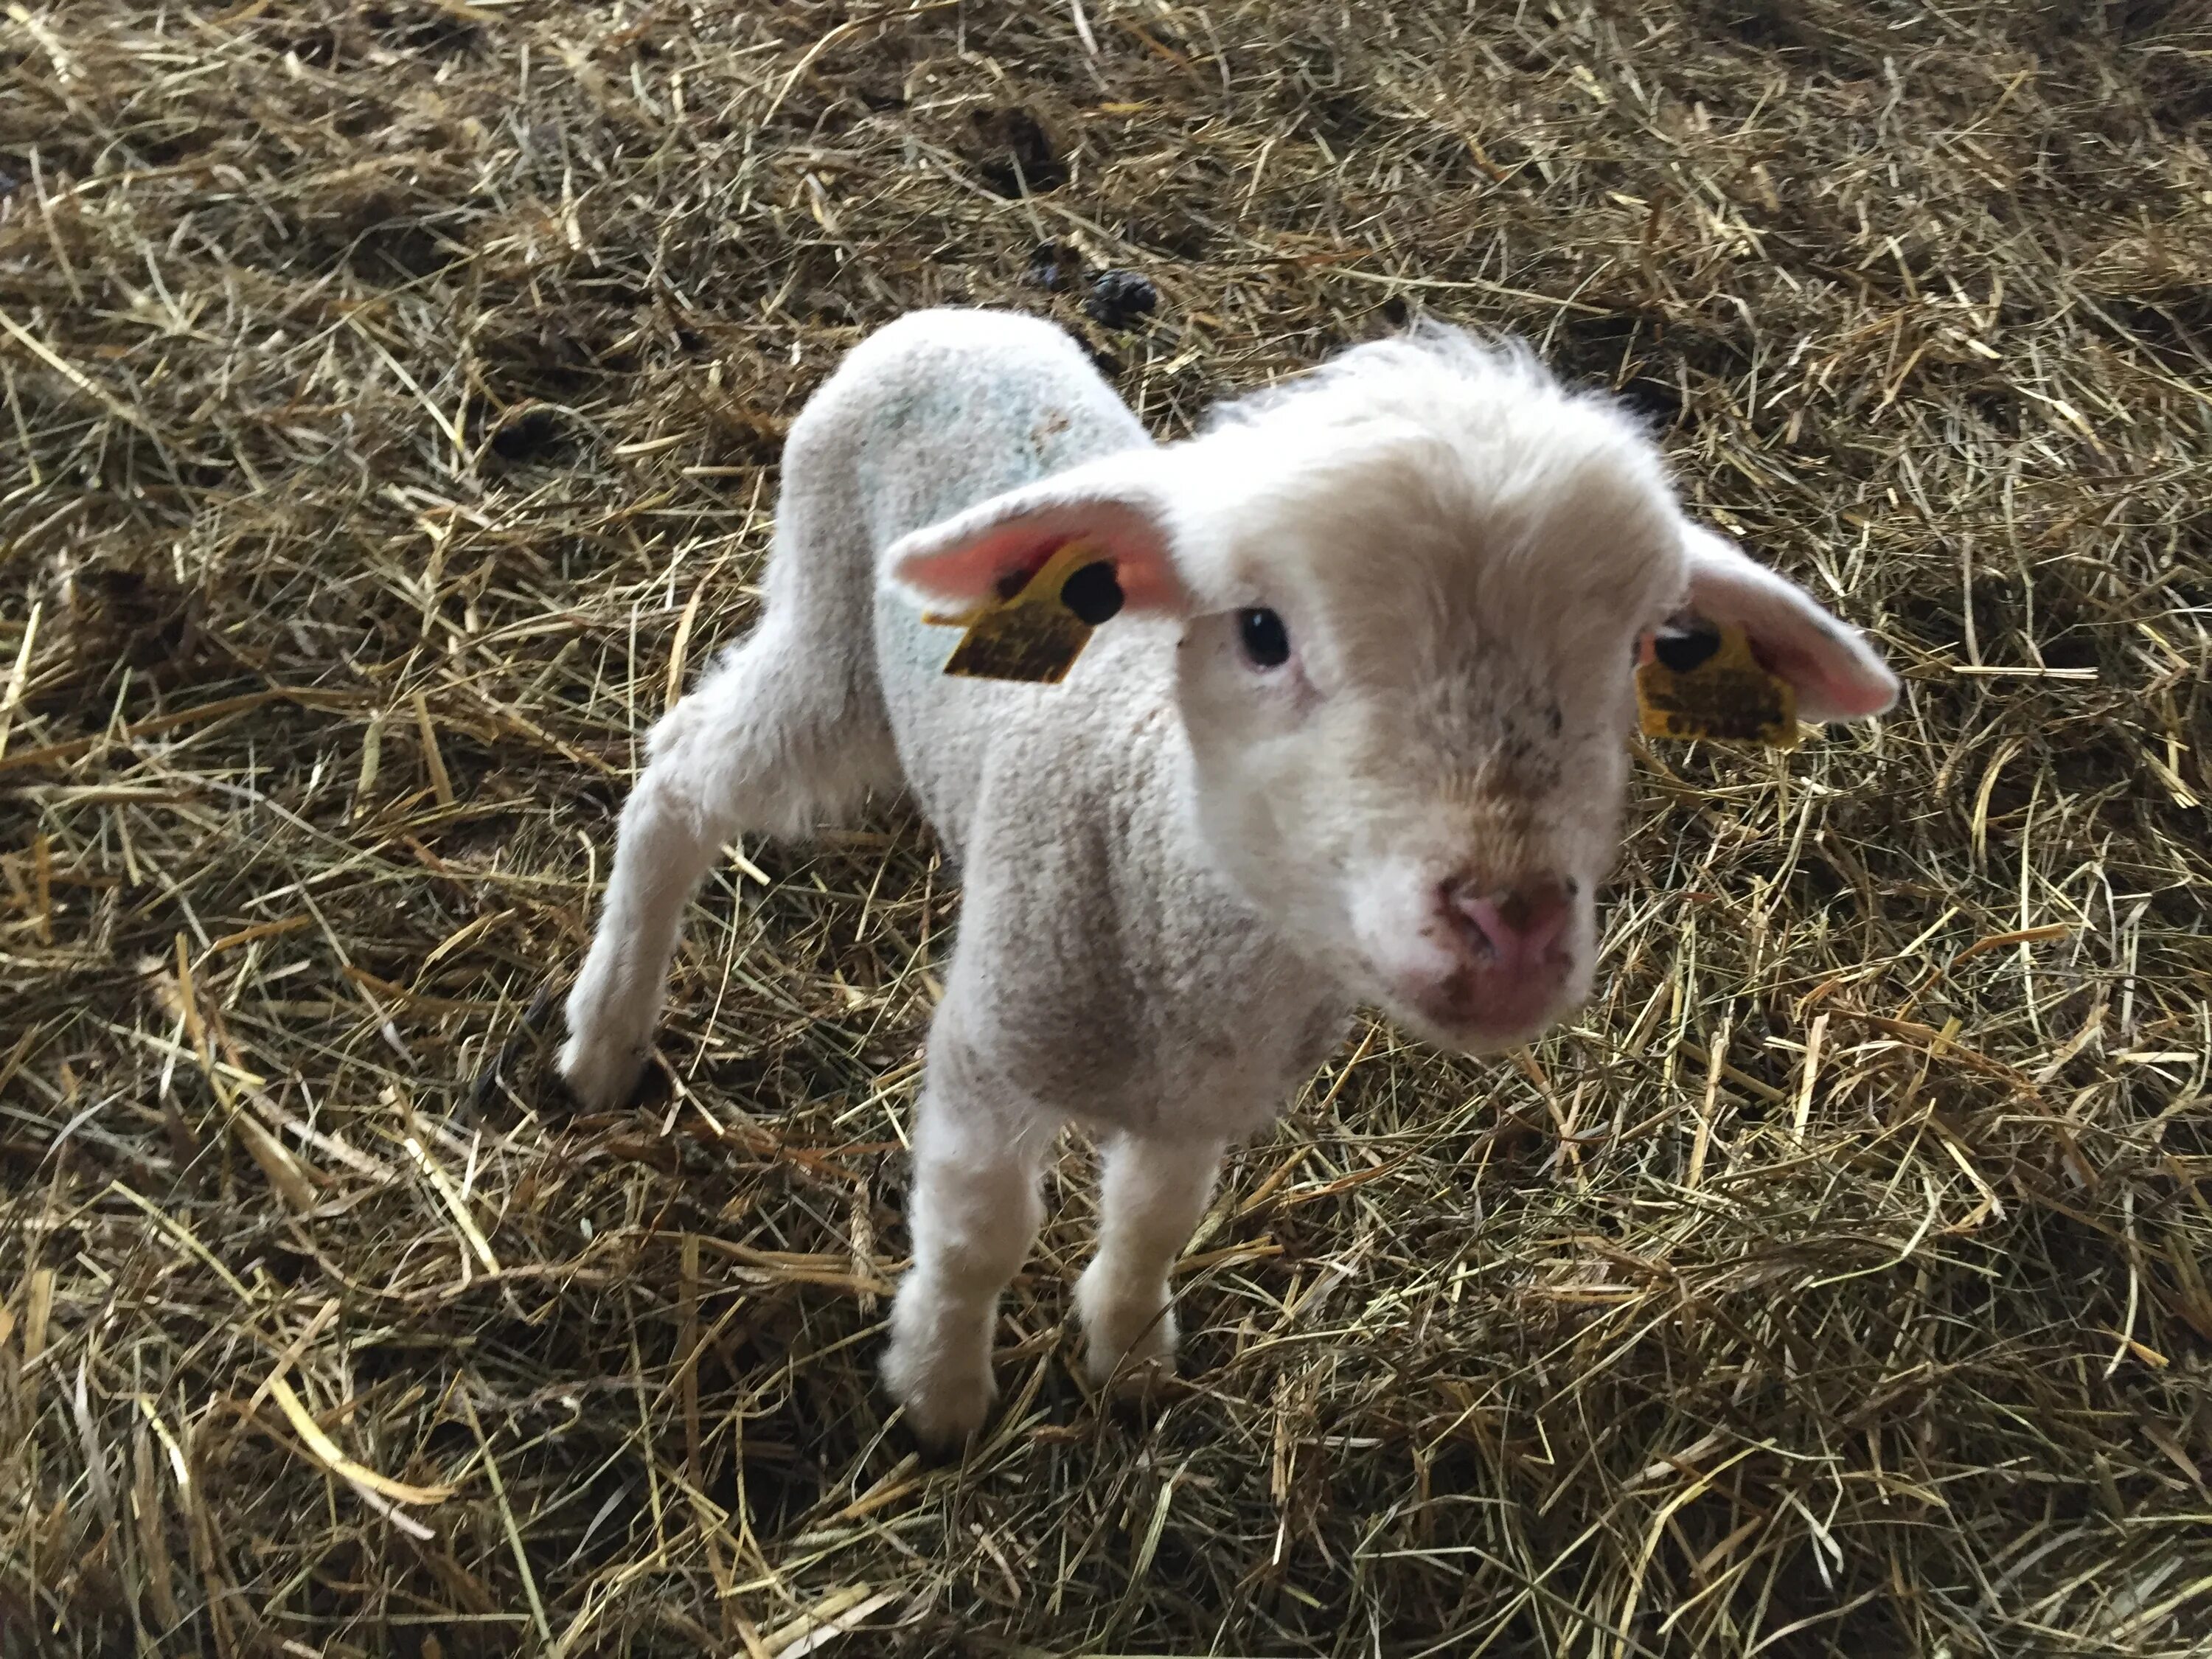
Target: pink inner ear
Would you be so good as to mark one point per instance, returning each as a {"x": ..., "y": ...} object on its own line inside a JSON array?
[
  {"x": 974, "y": 570},
  {"x": 1146, "y": 583}
]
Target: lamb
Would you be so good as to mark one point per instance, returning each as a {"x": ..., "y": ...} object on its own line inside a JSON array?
[{"x": 1358, "y": 734}]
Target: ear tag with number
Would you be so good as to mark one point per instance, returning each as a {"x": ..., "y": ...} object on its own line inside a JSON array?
[
  {"x": 1697, "y": 680},
  {"x": 1037, "y": 625}
]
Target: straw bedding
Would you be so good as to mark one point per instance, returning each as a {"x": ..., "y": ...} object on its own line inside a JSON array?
[{"x": 392, "y": 395}]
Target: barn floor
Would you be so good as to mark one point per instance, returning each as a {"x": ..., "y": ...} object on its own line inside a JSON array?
[{"x": 392, "y": 397}]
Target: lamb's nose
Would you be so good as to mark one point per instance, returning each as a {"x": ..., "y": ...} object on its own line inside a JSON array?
[{"x": 1518, "y": 926}]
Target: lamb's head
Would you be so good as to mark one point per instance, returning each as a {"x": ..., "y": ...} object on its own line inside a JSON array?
[{"x": 1411, "y": 590}]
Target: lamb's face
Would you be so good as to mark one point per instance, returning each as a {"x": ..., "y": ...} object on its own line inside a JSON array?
[{"x": 1411, "y": 723}]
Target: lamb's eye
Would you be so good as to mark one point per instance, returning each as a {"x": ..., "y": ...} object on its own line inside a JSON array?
[{"x": 1266, "y": 645}]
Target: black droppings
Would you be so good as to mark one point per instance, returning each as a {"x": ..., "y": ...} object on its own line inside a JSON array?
[
  {"x": 1014, "y": 153},
  {"x": 1052, "y": 266},
  {"x": 1118, "y": 298},
  {"x": 1093, "y": 593},
  {"x": 534, "y": 434}
]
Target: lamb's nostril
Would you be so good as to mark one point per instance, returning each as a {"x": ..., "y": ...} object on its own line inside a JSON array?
[
  {"x": 1516, "y": 910},
  {"x": 1516, "y": 926}
]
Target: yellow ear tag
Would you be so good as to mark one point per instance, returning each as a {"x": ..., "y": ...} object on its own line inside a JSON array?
[
  {"x": 1036, "y": 626},
  {"x": 1699, "y": 680}
]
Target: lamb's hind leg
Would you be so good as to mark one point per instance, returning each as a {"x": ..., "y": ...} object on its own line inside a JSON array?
[{"x": 775, "y": 740}]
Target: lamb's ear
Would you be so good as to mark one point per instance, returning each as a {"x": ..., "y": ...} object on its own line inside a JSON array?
[
  {"x": 1838, "y": 675},
  {"x": 1119, "y": 502}
]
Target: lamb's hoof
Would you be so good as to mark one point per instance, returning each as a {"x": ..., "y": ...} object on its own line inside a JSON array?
[
  {"x": 602, "y": 1073},
  {"x": 945, "y": 1402},
  {"x": 1129, "y": 1345}
]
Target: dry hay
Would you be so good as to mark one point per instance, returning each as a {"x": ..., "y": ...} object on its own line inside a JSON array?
[{"x": 392, "y": 394}]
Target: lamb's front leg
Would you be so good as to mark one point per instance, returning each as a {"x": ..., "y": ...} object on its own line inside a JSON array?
[
  {"x": 973, "y": 1211},
  {"x": 1151, "y": 1197}
]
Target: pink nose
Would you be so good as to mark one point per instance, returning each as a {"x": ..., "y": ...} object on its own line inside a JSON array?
[{"x": 1517, "y": 929}]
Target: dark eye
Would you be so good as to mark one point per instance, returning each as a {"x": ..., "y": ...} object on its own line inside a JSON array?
[{"x": 1266, "y": 643}]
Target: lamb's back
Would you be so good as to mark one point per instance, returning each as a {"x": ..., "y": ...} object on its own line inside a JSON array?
[{"x": 934, "y": 413}]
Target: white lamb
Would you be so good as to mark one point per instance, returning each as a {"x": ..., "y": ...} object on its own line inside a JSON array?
[{"x": 1359, "y": 735}]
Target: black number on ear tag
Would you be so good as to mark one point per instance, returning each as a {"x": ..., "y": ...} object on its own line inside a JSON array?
[
  {"x": 1093, "y": 593},
  {"x": 1682, "y": 649}
]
